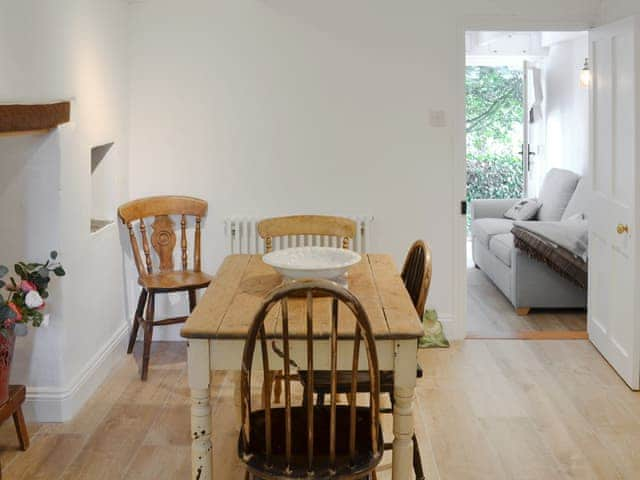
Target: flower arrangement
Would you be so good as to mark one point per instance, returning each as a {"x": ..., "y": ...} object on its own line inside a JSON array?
[{"x": 26, "y": 294}]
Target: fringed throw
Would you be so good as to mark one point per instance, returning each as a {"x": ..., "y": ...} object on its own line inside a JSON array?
[{"x": 557, "y": 258}]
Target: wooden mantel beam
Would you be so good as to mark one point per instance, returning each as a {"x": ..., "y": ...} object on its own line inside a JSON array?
[{"x": 32, "y": 118}]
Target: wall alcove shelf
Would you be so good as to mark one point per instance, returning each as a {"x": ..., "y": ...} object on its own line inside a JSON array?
[{"x": 27, "y": 119}]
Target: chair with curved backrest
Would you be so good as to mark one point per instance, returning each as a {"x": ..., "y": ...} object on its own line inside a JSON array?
[
  {"x": 309, "y": 440},
  {"x": 343, "y": 229},
  {"x": 416, "y": 275},
  {"x": 162, "y": 278}
]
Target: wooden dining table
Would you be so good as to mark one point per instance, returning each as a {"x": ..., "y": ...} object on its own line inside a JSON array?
[{"x": 217, "y": 329}]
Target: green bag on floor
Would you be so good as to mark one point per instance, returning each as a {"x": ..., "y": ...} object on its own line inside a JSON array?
[{"x": 433, "y": 332}]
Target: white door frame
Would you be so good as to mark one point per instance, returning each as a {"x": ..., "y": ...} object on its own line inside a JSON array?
[{"x": 490, "y": 23}]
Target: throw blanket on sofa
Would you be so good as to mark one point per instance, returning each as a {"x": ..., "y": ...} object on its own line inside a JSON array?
[{"x": 560, "y": 245}]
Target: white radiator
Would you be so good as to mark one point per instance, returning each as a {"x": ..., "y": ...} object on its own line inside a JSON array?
[{"x": 242, "y": 236}]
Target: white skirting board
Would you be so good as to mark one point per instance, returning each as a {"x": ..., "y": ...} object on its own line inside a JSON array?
[{"x": 51, "y": 404}]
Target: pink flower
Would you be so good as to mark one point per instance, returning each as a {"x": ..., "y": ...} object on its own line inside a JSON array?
[
  {"x": 15, "y": 309},
  {"x": 8, "y": 323},
  {"x": 27, "y": 286}
]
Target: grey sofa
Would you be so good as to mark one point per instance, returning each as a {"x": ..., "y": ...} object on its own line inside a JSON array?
[{"x": 526, "y": 282}]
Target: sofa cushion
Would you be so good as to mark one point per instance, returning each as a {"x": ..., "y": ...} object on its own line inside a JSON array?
[
  {"x": 501, "y": 246},
  {"x": 556, "y": 191},
  {"x": 485, "y": 228},
  {"x": 579, "y": 201},
  {"x": 525, "y": 209}
]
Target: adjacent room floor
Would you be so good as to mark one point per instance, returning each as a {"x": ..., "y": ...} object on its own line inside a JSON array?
[
  {"x": 490, "y": 315},
  {"x": 494, "y": 409}
]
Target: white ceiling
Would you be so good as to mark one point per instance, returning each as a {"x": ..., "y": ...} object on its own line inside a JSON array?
[{"x": 515, "y": 44}]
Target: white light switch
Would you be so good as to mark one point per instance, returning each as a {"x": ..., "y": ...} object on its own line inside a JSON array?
[{"x": 437, "y": 118}]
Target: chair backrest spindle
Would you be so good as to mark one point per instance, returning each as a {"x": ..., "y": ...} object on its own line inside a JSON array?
[
  {"x": 183, "y": 240},
  {"x": 334, "y": 380},
  {"x": 145, "y": 246},
  {"x": 309, "y": 399},
  {"x": 196, "y": 249},
  {"x": 266, "y": 392}
]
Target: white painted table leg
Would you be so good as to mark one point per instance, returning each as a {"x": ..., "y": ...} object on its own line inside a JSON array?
[
  {"x": 199, "y": 379},
  {"x": 404, "y": 374}
]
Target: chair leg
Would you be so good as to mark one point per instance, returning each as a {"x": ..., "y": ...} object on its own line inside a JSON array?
[
  {"x": 21, "y": 428},
  {"x": 192, "y": 300},
  {"x": 142, "y": 300},
  {"x": 148, "y": 335},
  {"x": 417, "y": 459}
]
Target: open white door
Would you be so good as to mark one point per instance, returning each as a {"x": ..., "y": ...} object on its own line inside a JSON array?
[
  {"x": 525, "y": 129},
  {"x": 534, "y": 129},
  {"x": 614, "y": 268}
]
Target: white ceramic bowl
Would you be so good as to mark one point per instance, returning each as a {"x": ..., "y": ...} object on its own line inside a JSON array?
[{"x": 312, "y": 262}]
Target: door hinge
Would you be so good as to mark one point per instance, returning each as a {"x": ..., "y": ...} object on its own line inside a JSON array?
[{"x": 463, "y": 207}]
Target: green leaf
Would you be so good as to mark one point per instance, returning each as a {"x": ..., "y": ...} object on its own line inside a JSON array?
[
  {"x": 43, "y": 272},
  {"x": 59, "y": 271},
  {"x": 3, "y": 271},
  {"x": 53, "y": 255},
  {"x": 36, "y": 318},
  {"x": 2, "y": 283},
  {"x": 21, "y": 270}
]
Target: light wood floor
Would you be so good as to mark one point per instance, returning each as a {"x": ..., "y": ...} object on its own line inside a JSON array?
[
  {"x": 490, "y": 315},
  {"x": 486, "y": 409}
]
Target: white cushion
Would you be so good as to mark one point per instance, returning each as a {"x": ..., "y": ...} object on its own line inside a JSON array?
[
  {"x": 523, "y": 210},
  {"x": 557, "y": 188},
  {"x": 579, "y": 201},
  {"x": 485, "y": 228},
  {"x": 501, "y": 246}
]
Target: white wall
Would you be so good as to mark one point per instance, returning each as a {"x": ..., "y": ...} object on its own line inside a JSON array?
[
  {"x": 273, "y": 107},
  {"x": 69, "y": 49},
  {"x": 612, "y": 10},
  {"x": 566, "y": 107}
]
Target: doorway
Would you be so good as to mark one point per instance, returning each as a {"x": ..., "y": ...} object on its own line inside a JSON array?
[{"x": 525, "y": 115}]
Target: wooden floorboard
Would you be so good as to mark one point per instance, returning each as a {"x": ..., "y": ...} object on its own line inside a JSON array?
[
  {"x": 485, "y": 409},
  {"x": 490, "y": 315}
]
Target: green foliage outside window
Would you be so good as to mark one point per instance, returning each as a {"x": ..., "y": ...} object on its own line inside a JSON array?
[{"x": 494, "y": 114}]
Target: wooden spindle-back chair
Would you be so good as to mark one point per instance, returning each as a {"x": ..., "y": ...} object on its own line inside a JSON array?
[
  {"x": 155, "y": 265},
  {"x": 343, "y": 229},
  {"x": 339, "y": 229},
  {"x": 310, "y": 440},
  {"x": 416, "y": 275}
]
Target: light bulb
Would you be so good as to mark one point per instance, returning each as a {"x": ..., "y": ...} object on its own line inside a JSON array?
[{"x": 585, "y": 75}]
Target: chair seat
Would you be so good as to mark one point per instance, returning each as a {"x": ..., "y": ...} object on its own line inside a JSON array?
[
  {"x": 175, "y": 281},
  {"x": 276, "y": 467}
]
